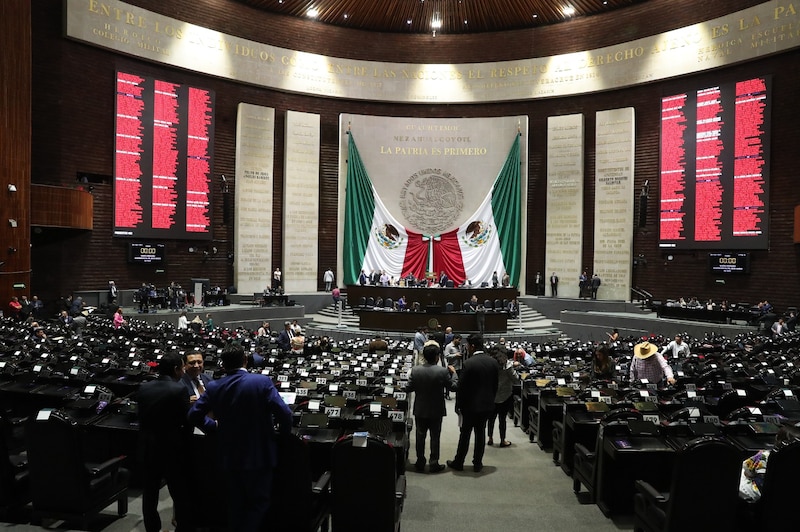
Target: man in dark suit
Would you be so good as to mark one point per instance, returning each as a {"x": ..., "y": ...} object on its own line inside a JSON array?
[
  {"x": 553, "y": 285},
  {"x": 194, "y": 380},
  {"x": 475, "y": 402},
  {"x": 285, "y": 337},
  {"x": 247, "y": 407},
  {"x": 430, "y": 381},
  {"x": 163, "y": 439},
  {"x": 443, "y": 279}
]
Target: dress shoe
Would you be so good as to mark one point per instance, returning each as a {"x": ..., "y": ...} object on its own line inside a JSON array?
[
  {"x": 455, "y": 465},
  {"x": 435, "y": 468},
  {"x": 477, "y": 468},
  {"x": 505, "y": 443},
  {"x": 490, "y": 442},
  {"x": 420, "y": 468}
]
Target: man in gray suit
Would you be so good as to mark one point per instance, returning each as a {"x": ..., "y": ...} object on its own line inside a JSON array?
[
  {"x": 430, "y": 381},
  {"x": 475, "y": 402}
]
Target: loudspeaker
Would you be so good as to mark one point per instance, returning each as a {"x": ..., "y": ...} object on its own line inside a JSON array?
[{"x": 643, "y": 210}]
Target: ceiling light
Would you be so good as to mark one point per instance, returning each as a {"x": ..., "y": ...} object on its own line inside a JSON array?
[
  {"x": 12, "y": 188},
  {"x": 408, "y": 22},
  {"x": 12, "y": 222},
  {"x": 535, "y": 16},
  {"x": 345, "y": 15},
  {"x": 313, "y": 12},
  {"x": 568, "y": 11}
]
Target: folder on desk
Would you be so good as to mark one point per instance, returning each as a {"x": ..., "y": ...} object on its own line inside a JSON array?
[
  {"x": 313, "y": 420},
  {"x": 764, "y": 428},
  {"x": 596, "y": 407},
  {"x": 645, "y": 406},
  {"x": 642, "y": 428}
]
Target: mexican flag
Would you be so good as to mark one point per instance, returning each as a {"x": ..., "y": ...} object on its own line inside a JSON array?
[{"x": 487, "y": 242}]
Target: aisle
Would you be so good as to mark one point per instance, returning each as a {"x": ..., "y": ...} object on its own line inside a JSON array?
[{"x": 519, "y": 490}]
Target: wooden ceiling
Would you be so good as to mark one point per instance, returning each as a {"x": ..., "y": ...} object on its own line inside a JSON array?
[{"x": 456, "y": 16}]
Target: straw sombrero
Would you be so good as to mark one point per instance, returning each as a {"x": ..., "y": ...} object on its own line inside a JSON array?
[{"x": 644, "y": 350}]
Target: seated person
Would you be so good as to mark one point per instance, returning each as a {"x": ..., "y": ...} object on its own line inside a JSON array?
[
  {"x": 378, "y": 344},
  {"x": 523, "y": 357},
  {"x": 755, "y": 467},
  {"x": 401, "y": 303},
  {"x": 603, "y": 366}
]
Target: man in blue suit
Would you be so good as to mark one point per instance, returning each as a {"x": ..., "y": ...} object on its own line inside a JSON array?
[
  {"x": 247, "y": 407},
  {"x": 194, "y": 380}
]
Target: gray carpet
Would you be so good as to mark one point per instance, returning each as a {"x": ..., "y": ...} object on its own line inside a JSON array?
[{"x": 519, "y": 489}]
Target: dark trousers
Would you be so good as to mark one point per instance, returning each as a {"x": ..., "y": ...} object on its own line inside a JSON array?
[
  {"x": 248, "y": 498},
  {"x": 425, "y": 425},
  {"x": 472, "y": 422},
  {"x": 501, "y": 411},
  {"x": 553, "y": 290},
  {"x": 153, "y": 473}
]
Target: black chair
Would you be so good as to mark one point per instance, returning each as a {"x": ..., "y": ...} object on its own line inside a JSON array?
[
  {"x": 779, "y": 492},
  {"x": 366, "y": 492},
  {"x": 298, "y": 501},
  {"x": 487, "y": 304},
  {"x": 63, "y": 484},
  {"x": 703, "y": 492},
  {"x": 498, "y": 305},
  {"x": 389, "y": 303},
  {"x": 450, "y": 283},
  {"x": 14, "y": 482},
  {"x": 362, "y": 301},
  {"x": 379, "y": 302},
  {"x": 584, "y": 465},
  {"x": 466, "y": 306},
  {"x": 370, "y": 302},
  {"x": 449, "y": 307}
]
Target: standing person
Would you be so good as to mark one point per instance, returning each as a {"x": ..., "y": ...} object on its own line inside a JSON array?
[
  {"x": 276, "y": 280},
  {"x": 14, "y": 308},
  {"x": 506, "y": 280},
  {"x": 477, "y": 389},
  {"x": 362, "y": 278},
  {"x": 183, "y": 321},
  {"x": 583, "y": 285},
  {"x": 111, "y": 296},
  {"x": 647, "y": 363},
  {"x": 495, "y": 280},
  {"x": 503, "y": 399},
  {"x": 247, "y": 407},
  {"x": 539, "y": 282},
  {"x": 419, "y": 342},
  {"x": 337, "y": 296},
  {"x": 778, "y": 328},
  {"x": 676, "y": 348},
  {"x": 327, "y": 278},
  {"x": 452, "y": 353},
  {"x": 595, "y": 284},
  {"x": 119, "y": 320},
  {"x": 603, "y": 366},
  {"x": 613, "y": 336},
  {"x": 430, "y": 381},
  {"x": 443, "y": 279},
  {"x": 554, "y": 285},
  {"x": 194, "y": 380},
  {"x": 209, "y": 323},
  {"x": 480, "y": 318},
  {"x": 164, "y": 435}
]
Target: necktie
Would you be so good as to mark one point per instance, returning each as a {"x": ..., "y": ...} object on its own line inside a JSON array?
[{"x": 200, "y": 388}]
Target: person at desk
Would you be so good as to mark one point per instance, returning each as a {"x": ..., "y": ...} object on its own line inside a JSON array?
[
  {"x": 473, "y": 303},
  {"x": 648, "y": 363},
  {"x": 401, "y": 303},
  {"x": 778, "y": 328},
  {"x": 247, "y": 408},
  {"x": 193, "y": 379},
  {"x": 429, "y": 380},
  {"x": 443, "y": 278},
  {"x": 209, "y": 323},
  {"x": 264, "y": 332},
  {"x": 477, "y": 389},
  {"x": 119, "y": 320},
  {"x": 603, "y": 366},
  {"x": 755, "y": 468},
  {"x": 523, "y": 358},
  {"x": 378, "y": 344},
  {"x": 676, "y": 348}
]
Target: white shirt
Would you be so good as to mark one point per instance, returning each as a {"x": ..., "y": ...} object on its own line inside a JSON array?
[
  {"x": 183, "y": 322},
  {"x": 676, "y": 349}
]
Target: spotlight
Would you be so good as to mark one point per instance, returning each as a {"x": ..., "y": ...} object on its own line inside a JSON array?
[
  {"x": 191, "y": 250},
  {"x": 12, "y": 188},
  {"x": 12, "y": 222},
  {"x": 12, "y": 249}
]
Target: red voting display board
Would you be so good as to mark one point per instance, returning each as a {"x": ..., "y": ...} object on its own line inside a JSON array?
[
  {"x": 164, "y": 135},
  {"x": 714, "y": 182}
]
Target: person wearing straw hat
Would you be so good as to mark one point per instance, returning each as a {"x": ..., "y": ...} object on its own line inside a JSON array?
[{"x": 647, "y": 363}]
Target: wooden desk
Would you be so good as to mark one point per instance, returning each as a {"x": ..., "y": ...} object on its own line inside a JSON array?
[
  {"x": 380, "y": 320},
  {"x": 428, "y": 296}
]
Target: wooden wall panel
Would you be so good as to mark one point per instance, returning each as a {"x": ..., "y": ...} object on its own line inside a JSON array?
[
  {"x": 67, "y": 208},
  {"x": 15, "y": 147},
  {"x": 73, "y": 123}
]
